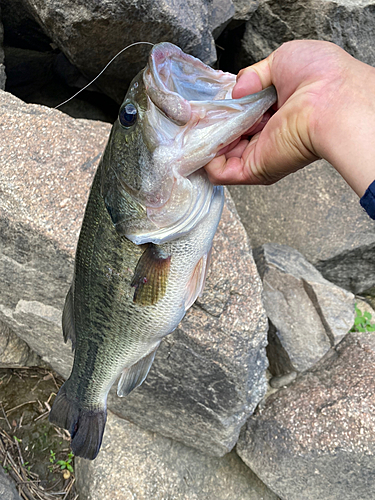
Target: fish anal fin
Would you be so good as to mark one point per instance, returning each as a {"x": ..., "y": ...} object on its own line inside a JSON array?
[
  {"x": 151, "y": 276},
  {"x": 135, "y": 375},
  {"x": 197, "y": 280},
  {"x": 86, "y": 426},
  {"x": 68, "y": 319}
]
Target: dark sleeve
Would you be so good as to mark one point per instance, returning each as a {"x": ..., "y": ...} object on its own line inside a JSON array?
[{"x": 368, "y": 200}]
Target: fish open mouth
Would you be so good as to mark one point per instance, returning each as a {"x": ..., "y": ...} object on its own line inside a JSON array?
[{"x": 191, "y": 116}]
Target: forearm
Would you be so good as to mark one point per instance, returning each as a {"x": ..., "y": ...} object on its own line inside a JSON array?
[{"x": 344, "y": 134}]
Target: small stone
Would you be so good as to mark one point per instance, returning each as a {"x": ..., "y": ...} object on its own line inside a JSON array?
[
  {"x": 14, "y": 351},
  {"x": 283, "y": 381}
]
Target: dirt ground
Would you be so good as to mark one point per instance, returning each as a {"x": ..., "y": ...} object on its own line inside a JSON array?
[{"x": 33, "y": 452}]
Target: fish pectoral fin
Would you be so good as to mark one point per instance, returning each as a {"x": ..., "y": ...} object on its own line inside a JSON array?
[
  {"x": 68, "y": 327},
  {"x": 135, "y": 375},
  {"x": 197, "y": 280},
  {"x": 151, "y": 276}
]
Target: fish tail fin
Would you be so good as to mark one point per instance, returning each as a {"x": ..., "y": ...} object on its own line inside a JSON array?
[{"x": 86, "y": 426}]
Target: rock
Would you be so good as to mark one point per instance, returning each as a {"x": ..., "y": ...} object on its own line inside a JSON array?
[
  {"x": 7, "y": 488},
  {"x": 244, "y": 9},
  {"x": 209, "y": 375},
  {"x": 28, "y": 70},
  {"x": 308, "y": 314},
  {"x": 14, "y": 351},
  {"x": 283, "y": 381},
  {"x": 90, "y": 34},
  {"x": 20, "y": 28},
  {"x": 347, "y": 23},
  {"x": 365, "y": 307},
  {"x": 138, "y": 464},
  {"x": 315, "y": 212},
  {"x": 2, "y": 67},
  {"x": 316, "y": 438}
]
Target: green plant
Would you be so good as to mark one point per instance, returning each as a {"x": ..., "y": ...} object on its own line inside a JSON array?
[
  {"x": 52, "y": 457},
  {"x": 362, "y": 322},
  {"x": 65, "y": 464}
]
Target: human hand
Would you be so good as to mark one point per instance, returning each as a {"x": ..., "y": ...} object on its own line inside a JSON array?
[{"x": 326, "y": 109}]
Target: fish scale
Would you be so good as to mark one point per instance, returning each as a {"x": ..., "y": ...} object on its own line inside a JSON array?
[{"x": 147, "y": 233}]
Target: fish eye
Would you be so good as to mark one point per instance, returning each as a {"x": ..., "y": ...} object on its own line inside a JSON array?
[{"x": 128, "y": 115}]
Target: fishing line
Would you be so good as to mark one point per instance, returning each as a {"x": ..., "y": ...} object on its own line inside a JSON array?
[{"x": 102, "y": 71}]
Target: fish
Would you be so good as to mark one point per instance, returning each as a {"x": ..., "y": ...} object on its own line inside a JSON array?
[{"x": 145, "y": 242}]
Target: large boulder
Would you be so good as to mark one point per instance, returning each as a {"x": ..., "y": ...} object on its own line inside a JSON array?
[
  {"x": 138, "y": 464},
  {"x": 90, "y": 33},
  {"x": 316, "y": 438},
  {"x": 348, "y": 23},
  {"x": 315, "y": 212},
  {"x": 209, "y": 375},
  {"x": 308, "y": 314}
]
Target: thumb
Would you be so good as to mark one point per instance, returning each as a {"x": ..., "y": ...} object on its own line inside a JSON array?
[{"x": 253, "y": 78}]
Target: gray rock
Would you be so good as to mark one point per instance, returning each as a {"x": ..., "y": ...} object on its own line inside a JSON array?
[
  {"x": 244, "y": 9},
  {"x": 138, "y": 464},
  {"x": 28, "y": 70},
  {"x": 2, "y": 67},
  {"x": 308, "y": 313},
  {"x": 348, "y": 23},
  {"x": 283, "y": 381},
  {"x": 365, "y": 307},
  {"x": 209, "y": 375},
  {"x": 314, "y": 211},
  {"x": 316, "y": 438},
  {"x": 21, "y": 30},
  {"x": 90, "y": 34},
  {"x": 14, "y": 351},
  {"x": 7, "y": 488}
]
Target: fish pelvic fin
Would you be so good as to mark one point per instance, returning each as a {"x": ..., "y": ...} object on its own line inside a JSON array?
[
  {"x": 197, "y": 280},
  {"x": 69, "y": 331},
  {"x": 85, "y": 426},
  {"x": 136, "y": 374},
  {"x": 151, "y": 276}
]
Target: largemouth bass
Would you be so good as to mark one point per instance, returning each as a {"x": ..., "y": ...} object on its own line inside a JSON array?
[{"x": 144, "y": 246}]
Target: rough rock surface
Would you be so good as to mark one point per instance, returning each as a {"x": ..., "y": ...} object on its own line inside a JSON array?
[
  {"x": 348, "y": 23},
  {"x": 308, "y": 314},
  {"x": 20, "y": 29},
  {"x": 209, "y": 375},
  {"x": 7, "y": 488},
  {"x": 14, "y": 351},
  {"x": 91, "y": 33},
  {"x": 138, "y": 464},
  {"x": 316, "y": 438},
  {"x": 2, "y": 67},
  {"x": 315, "y": 212}
]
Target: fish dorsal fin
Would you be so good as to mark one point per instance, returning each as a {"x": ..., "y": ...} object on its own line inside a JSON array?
[
  {"x": 135, "y": 375},
  {"x": 197, "y": 280},
  {"x": 68, "y": 327},
  {"x": 151, "y": 276}
]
